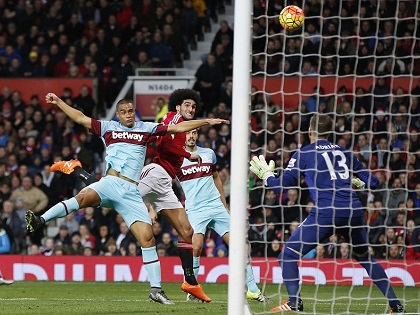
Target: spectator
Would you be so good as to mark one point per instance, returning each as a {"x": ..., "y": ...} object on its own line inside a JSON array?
[
  {"x": 374, "y": 221},
  {"x": 6, "y": 238},
  {"x": 189, "y": 23},
  {"x": 86, "y": 236},
  {"x": 119, "y": 73},
  {"x": 90, "y": 220},
  {"x": 34, "y": 250},
  {"x": 72, "y": 224},
  {"x": 160, "y": 52},
  {"x": 320, "y": 252},
  {"x": 75, "y": 247},
  {"x": 111, "y": 248},
  {"x": 124, "y": 237},
  {"x": 16, "y": 225},
  {"x": 84, "y": 101},
  {"x": 168, "y": 245},
  {"x": 345, "y": 251},
  {"x": 332, "y": 249},
  {"x": 102, "y": 239},
  {"x": 275, "y": 249},
  {"x": 133, "y": 249},
  {"x": 209, "y": 79},
  {"x": 259, "y": 235},
  {"x": 62, "y": 238},
  {"x": 161, "y": 250},
  {"x": 394, "y": 252},
  {"x": 291, "y": 210},
  {"x": 221, "y": 251},
  {"x": 34, "y": 198},
  {"x": 224, "y": 30},
  {"x": 48, "y": 248}
]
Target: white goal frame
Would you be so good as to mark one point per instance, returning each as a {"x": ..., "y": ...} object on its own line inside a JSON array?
[{"x": 240, "y": 154}]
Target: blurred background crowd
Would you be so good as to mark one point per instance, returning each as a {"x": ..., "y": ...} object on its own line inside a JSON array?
[{"x": 110, "y": 39}]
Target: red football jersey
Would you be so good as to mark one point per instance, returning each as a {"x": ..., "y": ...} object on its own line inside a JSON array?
[{"x": 170, "y": 150}]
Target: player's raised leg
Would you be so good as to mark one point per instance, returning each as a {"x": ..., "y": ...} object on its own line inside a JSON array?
[
  {"x": 87, "y": 197},
  {"x": 73, "y": 167}
]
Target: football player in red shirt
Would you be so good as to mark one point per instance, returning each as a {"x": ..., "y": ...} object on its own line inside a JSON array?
[{"x": 156, "y": 178}]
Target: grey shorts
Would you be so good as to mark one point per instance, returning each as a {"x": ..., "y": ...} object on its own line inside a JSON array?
[{"x": 155, "y": 186}]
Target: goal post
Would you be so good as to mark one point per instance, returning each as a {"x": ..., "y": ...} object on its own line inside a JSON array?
[{"x": 239, "y": 154}]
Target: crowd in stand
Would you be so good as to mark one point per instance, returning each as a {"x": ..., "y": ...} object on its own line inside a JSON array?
[{"x": 108, "y": 40}]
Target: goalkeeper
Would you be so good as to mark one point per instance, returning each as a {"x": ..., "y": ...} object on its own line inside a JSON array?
[{"x": 327, "y": 169}]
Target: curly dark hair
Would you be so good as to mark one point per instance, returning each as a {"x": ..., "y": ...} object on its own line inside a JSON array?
[{"x": 178, "y": 96}]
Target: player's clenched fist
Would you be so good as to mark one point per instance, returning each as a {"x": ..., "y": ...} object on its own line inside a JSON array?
[{"x": 51, "y": 98}]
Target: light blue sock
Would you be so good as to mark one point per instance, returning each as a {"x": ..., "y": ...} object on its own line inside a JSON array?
[
  {"x": 196, "y": 266},
  {"x": 250, "y": 280},
  {"x": 61, "y": 209},
  {"x": 152, "y": 265}
]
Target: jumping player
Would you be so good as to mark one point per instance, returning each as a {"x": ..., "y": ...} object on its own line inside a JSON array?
[
  {"x": 327, "y": 169},
  {"x": 155, "y": 183},
  {"x": 125, "y": 143}
]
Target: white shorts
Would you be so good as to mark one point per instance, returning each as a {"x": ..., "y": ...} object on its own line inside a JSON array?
[{"x": 155, "y": 186}]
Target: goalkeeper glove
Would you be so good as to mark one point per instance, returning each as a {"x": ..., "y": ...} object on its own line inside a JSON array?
[
  {"x": 260, "y": 168},
  {"x": 358, "y": 183}
]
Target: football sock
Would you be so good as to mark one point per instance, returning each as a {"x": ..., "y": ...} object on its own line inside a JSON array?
[
  {"x": 250, "y": 280},
  {"x": 196, "y": 266},
  {"x": 152, "y": 265},
  {"x": 377, "y": 273},
  {"x": 86, "y": 177},
  {"x": 186, "y": 256},
  {"x": 290, "y": 272},
  {"x": 61, "y": 209}
]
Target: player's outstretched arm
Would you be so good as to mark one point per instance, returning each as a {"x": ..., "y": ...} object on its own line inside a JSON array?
[
  {"x": 193, "y": 124},
  {"x": 265, "y": 171},
  {"x": 260, "y": 168},
  {"x": 76, "y": 115}
]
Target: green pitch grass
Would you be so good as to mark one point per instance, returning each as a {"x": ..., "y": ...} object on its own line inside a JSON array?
[{"x": 32, "y": 297}]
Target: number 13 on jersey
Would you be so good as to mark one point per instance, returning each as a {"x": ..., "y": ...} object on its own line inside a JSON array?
[{"x": 342, "y": 171}]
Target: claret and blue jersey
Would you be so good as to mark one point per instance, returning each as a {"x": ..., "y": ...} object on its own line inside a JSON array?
[
  {"x": 328, "y": 170},
  {"x": 126, "y": 147},
  {"x": 197, "y": 182}
]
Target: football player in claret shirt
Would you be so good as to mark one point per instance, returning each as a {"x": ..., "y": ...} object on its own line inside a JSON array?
[
  {"x": 329, "y": 171},
  {"x": 155, "y": 183},
  {"x": 125, "y": 145},
  {"x": 206, "y": 205}
]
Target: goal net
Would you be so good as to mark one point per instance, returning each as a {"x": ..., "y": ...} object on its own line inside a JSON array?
[{"x": 357, "y": 61}]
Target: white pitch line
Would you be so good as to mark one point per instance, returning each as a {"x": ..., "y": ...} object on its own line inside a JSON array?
[{"x": 97, "y": 300}]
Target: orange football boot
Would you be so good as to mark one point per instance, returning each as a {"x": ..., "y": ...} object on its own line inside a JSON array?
[
  {"x": 66, "y": 167},
  {"x": 195, "y": 290}
]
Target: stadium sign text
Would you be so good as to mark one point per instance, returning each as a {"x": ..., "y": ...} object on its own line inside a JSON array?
[{"x": 80, "y": 268}]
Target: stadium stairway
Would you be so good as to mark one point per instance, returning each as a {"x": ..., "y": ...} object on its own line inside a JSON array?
[{"x": 203, "y": 47}]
